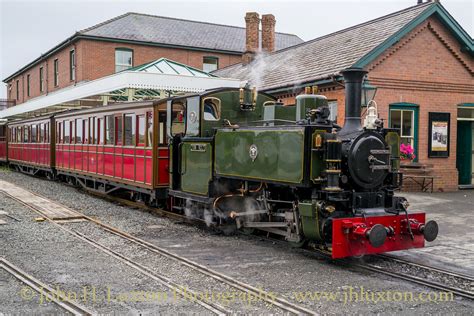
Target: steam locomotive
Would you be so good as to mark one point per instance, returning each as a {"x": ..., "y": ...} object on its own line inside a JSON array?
[
  {"x": 295, "y": 173},
  {"x": 239, "y": 159}
]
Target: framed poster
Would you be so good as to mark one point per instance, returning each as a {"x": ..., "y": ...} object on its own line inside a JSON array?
[{"x": 438, "y": 135}]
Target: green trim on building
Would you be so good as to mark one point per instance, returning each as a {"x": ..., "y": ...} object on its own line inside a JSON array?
[
  {"x": 445, "y": 18},
  {"x": 466, "y": 104},
  {"x": 410, "y": 107}
]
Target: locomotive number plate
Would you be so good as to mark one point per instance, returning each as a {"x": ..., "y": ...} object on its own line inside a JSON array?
[{"x": 198, "y": 147}]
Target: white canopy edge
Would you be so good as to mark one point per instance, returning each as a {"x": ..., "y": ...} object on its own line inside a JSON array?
[{"x": 121, "y": 80}]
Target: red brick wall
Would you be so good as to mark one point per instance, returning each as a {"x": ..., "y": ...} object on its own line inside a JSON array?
[
  {"x": 426, "y": 68},
  {"x": 99, "y": 57},
  {"x": 96, "y": 59}
]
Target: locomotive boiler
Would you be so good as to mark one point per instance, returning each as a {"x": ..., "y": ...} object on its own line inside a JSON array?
[{"x": 240, "y": 159}]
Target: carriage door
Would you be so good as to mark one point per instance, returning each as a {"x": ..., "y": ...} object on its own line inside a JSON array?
[{"x": 176, "y": 128}]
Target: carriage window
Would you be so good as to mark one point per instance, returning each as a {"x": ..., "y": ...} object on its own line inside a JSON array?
[
  {"x": 85, "y": 124},
  {"x": 109, "y": 130},
  {"x": 41, "y": 133},
  {"x": 149, "y": 128},
  {"x": 178, "y": 123},
  {"x": 93, "y": 130},
  {"x": 67, "y": 132},
  {"x": 34, "y": 133},
  {"x": 162, "y": 120},
  {"x": 118, "y": 129},
  {"x": 79, "y": 132},
  {"x": 129, "y": 127},
  {"x": 26, "y": 134},
  {"x": 59, "y": 132},
  {"x": 46, "y": 133},
  {"x": 141, "y": 127},
  {"x": 99, "y": 130},
  {"x": 212, "y": 109}
]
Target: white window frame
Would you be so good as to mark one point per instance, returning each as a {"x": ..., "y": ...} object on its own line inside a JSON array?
[
  {"x": 216, "y": 59},
  {"x": 118, "y": 63},
  {"x": 411, "y": 137}
]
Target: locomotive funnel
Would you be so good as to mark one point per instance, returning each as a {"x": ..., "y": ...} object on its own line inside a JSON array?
[{"x": 353, "y": 78}]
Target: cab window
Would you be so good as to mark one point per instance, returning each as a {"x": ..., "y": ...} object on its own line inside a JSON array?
[{"x": 212, "y": 109}]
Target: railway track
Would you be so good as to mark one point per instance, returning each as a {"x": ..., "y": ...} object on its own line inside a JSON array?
[
  {"x": 464, "y": 289},
  {"x": 68, "y": 305},
  {"x": 286, "y": 306},
  {"x": 459, "y": 291}
]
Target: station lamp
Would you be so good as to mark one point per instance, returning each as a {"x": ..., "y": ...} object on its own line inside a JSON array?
[{"x": 368, "y": 92}]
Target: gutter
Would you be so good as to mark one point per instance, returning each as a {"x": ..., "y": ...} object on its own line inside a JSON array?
[{"x": 292, "y": 88}]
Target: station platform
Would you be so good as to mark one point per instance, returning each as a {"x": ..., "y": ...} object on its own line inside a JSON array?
[{"x": 454, "y": 248}]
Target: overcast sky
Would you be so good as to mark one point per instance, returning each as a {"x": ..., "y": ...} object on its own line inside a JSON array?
[{"x": 30, "y": 28}]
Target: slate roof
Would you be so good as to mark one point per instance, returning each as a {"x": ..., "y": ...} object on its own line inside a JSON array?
[
  {"x": 179, "y": 32},
  {"x": 322, "y": 57}
]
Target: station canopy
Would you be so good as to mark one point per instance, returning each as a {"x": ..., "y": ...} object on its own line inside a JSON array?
[{"x": 158, "y": 79}]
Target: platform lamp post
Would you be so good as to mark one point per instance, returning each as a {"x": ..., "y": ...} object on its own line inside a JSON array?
[{"x": 368, "y": 93}]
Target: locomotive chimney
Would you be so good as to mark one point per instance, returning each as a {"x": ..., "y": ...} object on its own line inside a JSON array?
[
  {"x": 252, "y": 22},
  {"x": 268, "y": 33},
  {"x": 353, "y": 78}
]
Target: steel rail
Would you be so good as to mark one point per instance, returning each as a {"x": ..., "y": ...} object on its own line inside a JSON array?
[
  {"x": 40, "y": 287},
  {"x": 423, "y": 266},
  {"x": 265, "y": 296},
  {"x": 213, "y": 307},
  {"x": 415, "y": 279}
]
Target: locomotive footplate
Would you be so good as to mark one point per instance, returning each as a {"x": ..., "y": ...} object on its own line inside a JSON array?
[{"x": 358, "y": 236}]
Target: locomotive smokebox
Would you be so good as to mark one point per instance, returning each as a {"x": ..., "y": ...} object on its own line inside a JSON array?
[{"x": 353, "y": 78}]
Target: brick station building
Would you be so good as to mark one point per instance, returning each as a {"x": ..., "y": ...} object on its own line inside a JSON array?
[
  {"x": 134, "y": 39},
  {"x": 421, "y": 63}
]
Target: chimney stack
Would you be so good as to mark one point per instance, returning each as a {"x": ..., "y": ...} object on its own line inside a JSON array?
[
  {"x": 252, "y": 22},
  {"x": 268, "y": 33},
  {"x": 419, "y": 1}
]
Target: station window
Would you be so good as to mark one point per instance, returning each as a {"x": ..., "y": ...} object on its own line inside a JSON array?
[
  {"x": 210, "y": 64},
  {"x": 212, "y": 109},
  {"x": 118, "y": 129},
  {"x": 72, "y": 65},
  {"x": 67, "y": 132},
  {"x": 18, "y": 90},
  {"x": 130, "y": 130},
  {"x": 56, "y": 72},
  {"x": 141, "y": 129},
  {"x": 109, "y": 130},
  {"x": 41, "y": 79},
  {"x": 123, "y": 59},
  {"x": 404, "y": 116},
  {"x": 149, "y": 128},
  {"x": 28, "y": 85}
]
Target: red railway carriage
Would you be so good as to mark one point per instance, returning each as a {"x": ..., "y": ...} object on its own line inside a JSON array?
[
  {"x": 115, "y": 147},
  {"x": 3, "y": 142},
  {"x": 30, "y": 146}
]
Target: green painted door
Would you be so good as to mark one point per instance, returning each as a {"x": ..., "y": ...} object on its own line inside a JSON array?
[
  {"x": 196, "y": 167},
  {"x": 464, "y": 152}
]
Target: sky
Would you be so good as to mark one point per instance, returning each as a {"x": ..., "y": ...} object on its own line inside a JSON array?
[{"x": 29, "y": 28}]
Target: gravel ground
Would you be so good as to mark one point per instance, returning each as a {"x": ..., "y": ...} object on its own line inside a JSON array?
[
  {"x": 69, "y": 265},
  {"x": 292, "y": 273},
  {"x": 13, "y": 291}
]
